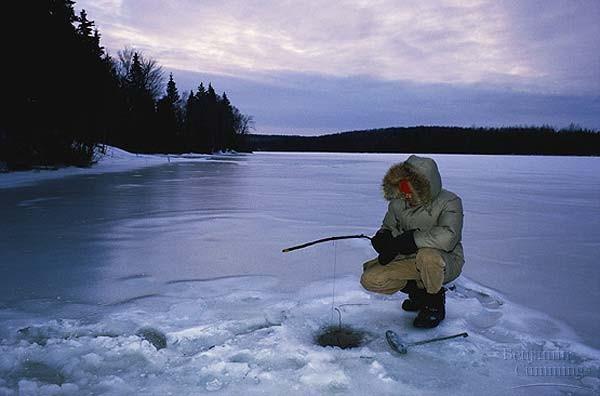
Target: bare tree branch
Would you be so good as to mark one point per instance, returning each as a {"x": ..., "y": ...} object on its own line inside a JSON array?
[{"x": 154, "y": 75}]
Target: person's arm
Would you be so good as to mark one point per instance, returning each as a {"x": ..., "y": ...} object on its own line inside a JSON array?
[
  {"x": 389, "y": 221},
  {"x": 382, "y": 240},
  {"x": 447, "y": 233}
]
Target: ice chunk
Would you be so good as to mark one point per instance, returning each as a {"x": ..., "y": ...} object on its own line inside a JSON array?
[{"x": 153, "y": 336}]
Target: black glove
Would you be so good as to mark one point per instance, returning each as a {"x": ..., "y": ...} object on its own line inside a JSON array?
[
  {"x": 385, "y": 258},
  {"x": 405, "y": 243},
  {"x": 382, "y": 241}
]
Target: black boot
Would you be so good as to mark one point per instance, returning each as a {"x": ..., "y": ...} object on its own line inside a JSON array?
[
  {"x": 433, "y": 312},
  {"x": 416, "y": 297}
]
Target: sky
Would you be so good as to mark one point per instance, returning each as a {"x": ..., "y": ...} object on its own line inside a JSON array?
[{"x": 311, "y": 67}]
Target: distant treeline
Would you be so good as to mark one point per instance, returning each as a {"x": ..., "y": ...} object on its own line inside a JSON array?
[
  {"x": 63, "y": 95},
  {"x": 434, "y": 139}
]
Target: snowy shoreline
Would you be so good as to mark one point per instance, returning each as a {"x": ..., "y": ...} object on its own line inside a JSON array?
[
  {"x": 119, "y": 160},
  {"x": 113, "y": 160}
]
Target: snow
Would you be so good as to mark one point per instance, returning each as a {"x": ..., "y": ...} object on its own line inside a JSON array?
[
  {"x": 100, "y": 267},
  {"x": 113, "y": 159}
]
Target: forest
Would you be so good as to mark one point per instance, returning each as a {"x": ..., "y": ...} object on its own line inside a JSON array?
[
  {"x": 524, "y": 140},
  {"x": 66, "y": 96}
]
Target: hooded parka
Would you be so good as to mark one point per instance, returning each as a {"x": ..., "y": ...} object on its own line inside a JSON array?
[{"x": 438, "y": 217}]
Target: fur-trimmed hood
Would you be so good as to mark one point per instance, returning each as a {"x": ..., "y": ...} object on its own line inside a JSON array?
[{"x": 423, "y": 174}]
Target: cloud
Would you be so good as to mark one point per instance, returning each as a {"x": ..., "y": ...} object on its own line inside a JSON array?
[
  {"x": 313, "y": 66},
  {"x": 299, "y": 103},
  {"x": 444, "y": 41},
  {"x": 559, "y": 39}
]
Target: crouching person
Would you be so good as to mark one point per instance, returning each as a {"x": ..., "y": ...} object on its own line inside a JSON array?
[{"x": 419, "y": 241}]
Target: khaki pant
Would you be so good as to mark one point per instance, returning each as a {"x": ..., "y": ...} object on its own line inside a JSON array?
[{"x": 430, "y": 268}]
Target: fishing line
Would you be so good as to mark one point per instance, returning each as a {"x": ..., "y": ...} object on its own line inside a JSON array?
[{"x": 333, "y": 291}]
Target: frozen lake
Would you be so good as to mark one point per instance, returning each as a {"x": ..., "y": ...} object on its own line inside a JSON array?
[{"x": 194, "y": 249}]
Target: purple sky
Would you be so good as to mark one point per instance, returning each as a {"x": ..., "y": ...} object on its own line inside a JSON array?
[{"x": 312, "y": 66}]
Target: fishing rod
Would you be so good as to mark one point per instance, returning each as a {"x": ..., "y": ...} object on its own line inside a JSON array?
[{"x": 334, "y": 238}]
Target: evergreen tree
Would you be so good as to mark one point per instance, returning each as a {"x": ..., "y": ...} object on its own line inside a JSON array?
[
  {"x": 189, "y": 121},
  {"x": 201, "y": 94},
  {"x": 150, "y": 73},
  {"x": 142, "y": 130},
  {"x": 172, "y": 92},
  {"x": 67, "y": 94},
  {"x": 59, "y": 87},
  {"x": 86, "y": 27},
  {"x": 212, "y": 120},
  {"x": 62, "y": 12},
  {"x": 203, "y": 133},
  {"x": 227, "y": 123},
  {"x": 136, "y": 74},
  {"x": 89, "y": 35},
  {"x": 96, "y": 44},
  {"x": 169, "y": 118}
]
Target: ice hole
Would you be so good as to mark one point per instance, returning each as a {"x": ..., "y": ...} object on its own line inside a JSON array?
[{"x": 340, "y": 336}]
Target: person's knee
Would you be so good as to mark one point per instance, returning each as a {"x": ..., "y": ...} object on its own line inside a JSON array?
[
  {"x": 453, "y": 269},
  {"x": 368, "y": 281},
  {"x": 370, "y": 264},
  {"x": 377, "y": 283},
  {"x": 430, "y": 259}
]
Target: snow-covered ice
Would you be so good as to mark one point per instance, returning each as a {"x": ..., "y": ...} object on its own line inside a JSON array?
[
  {"x": 101, "y": 269},
  {"x": 109, "y": 159}
]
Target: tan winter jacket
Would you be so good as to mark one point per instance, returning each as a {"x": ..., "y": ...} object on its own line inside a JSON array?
[{"x": 438, "y": 220}]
